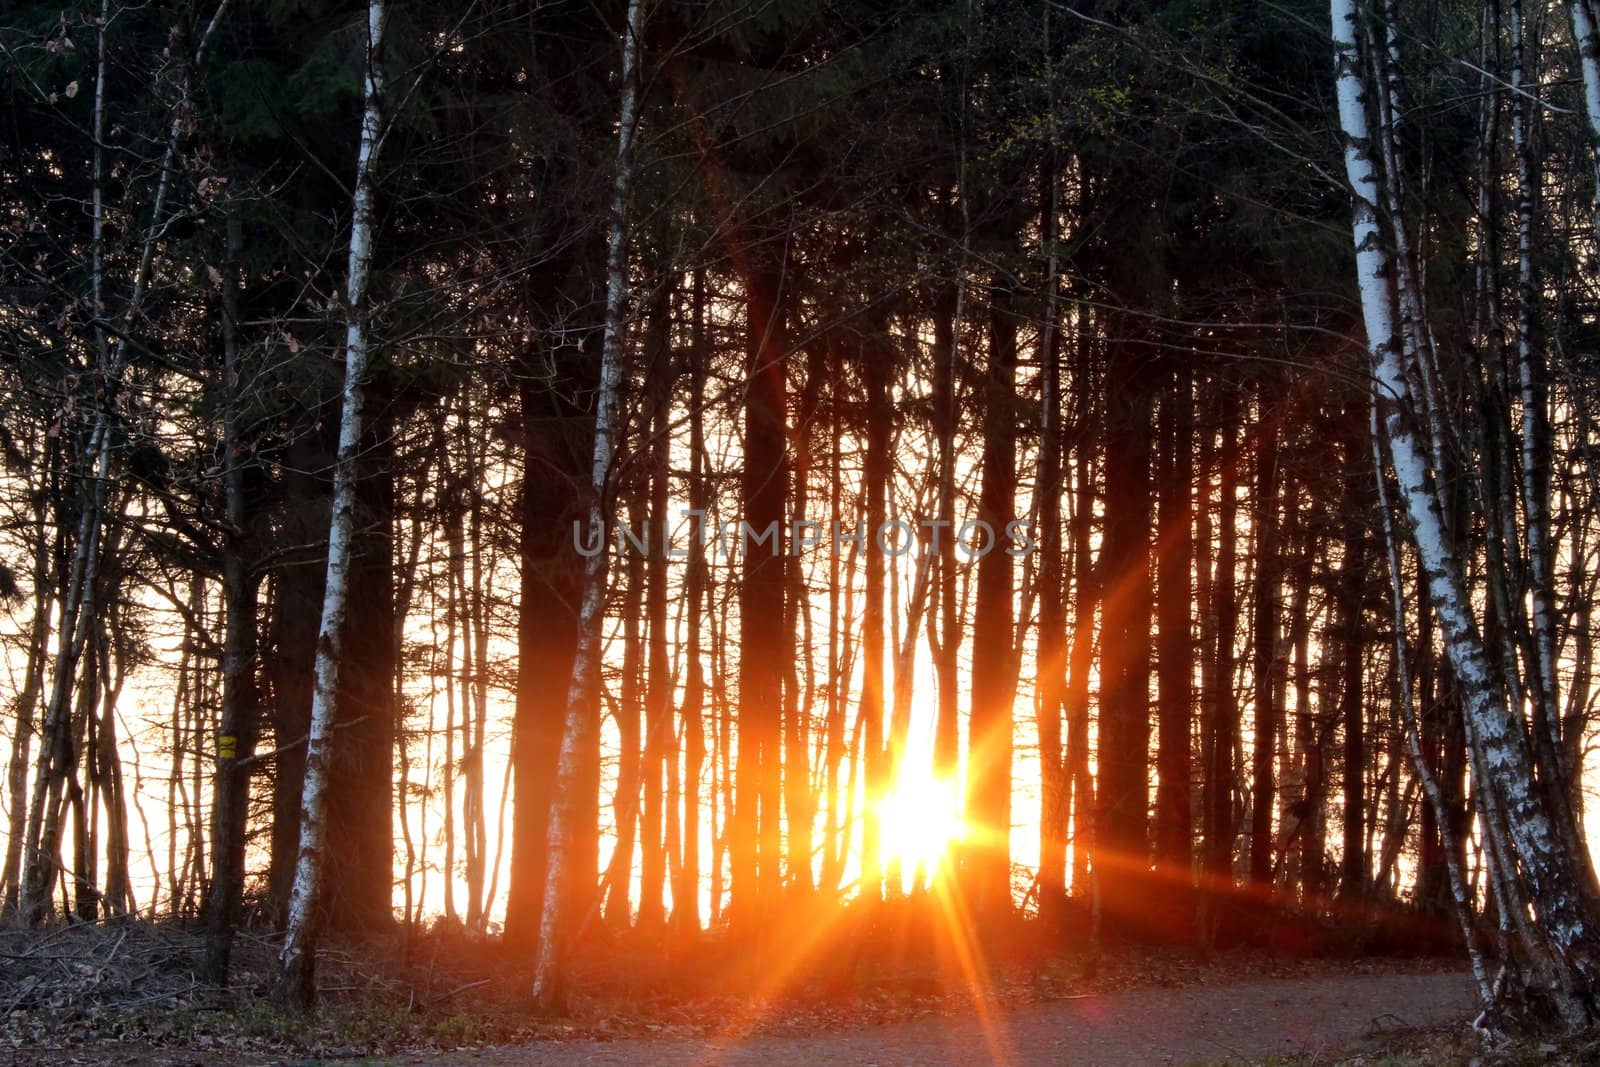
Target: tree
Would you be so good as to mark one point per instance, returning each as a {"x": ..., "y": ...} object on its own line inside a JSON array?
[
  {"x": 1561, "y": 951},
  {"x": 581, "y": 722},
  {"x": 297, "y": 959}
]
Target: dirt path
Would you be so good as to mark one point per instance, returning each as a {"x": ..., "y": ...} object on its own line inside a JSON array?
[{"x": 1162, "y": 1026}]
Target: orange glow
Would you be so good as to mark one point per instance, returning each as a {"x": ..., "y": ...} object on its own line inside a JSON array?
[{"x": 921, "y": 821}]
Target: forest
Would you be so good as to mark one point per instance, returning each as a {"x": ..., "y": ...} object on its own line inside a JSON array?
[{"x": 635, "y": 476}]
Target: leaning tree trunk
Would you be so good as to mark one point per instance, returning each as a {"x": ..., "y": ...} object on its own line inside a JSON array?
[
  {"x": 1460, "y": 892},
  {"x": 1543, "y": 687},
  {"x": 1567, "y": 947},
  {"x": 582, "y": 719},
  {"x": 296, "y": 978}
]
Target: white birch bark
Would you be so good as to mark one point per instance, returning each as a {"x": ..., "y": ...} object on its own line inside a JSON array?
[
  {"x": 297, "y": 955},
  {"x": 1587, "y": 37},
  {"x": 1408, "y": 710},
  {"x": 1499, "y": 737},
  {"x": 582, "y": 719},
  {"x": 1415, "y": 350},
  {"x": 1535, "y": 492}
]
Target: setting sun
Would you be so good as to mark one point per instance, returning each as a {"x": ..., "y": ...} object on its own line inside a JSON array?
[{"x": 921, "y": 820}]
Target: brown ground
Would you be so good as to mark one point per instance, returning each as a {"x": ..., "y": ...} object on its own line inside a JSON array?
[
  {"x": 129, "y": 993},
  {"x": 1208, "y": 1023}
]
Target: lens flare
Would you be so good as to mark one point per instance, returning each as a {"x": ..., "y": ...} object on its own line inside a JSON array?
[{"x": 921, "y": 821}]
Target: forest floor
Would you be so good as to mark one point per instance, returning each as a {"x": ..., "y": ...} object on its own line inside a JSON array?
[
  {"x": 128, "y": 994},
  {"x": 1195, "y": 1024}
]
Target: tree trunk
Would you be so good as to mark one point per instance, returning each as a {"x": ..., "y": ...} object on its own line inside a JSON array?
[
  {"x": 25, "y": 709},
  {"x": 581, "y": 727},
  {"x": 296, "y": 981},
  {"x": 989, "y": 742},
  {"x": 1264, "y": 623},
  {"x": 618, "y": 903},
  {"x": 1080, "y": 656},
  {"x": 1586, "y": 35},
  {"x": 1221, "y": 704},
  {"x": 1174, "y": 829},
  {"x": 236, "y": 732},
  {"x": 1355, "y": 864},
  {"x": 1122, "y": 845},
  {"x": 658, "y": 695},
  {"x": 1302, "y": 817},
  {"x": 757, "y": 852},
  {"x": 1497, "y": 737},
  {"x": 360, "y": 842},
  {"x": 875, "y": 485},
  {"x": 550, "y": 505},
  {"x": 686, "y": 894},
  {"x": 944, "y": 637},
  {"x": 798, "y": 699},
  {"x": 1052, "y": 653},
  {"x": 1437, "y": 801}
]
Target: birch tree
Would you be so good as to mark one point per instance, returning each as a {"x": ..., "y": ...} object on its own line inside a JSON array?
[
  {"x": 582, "y": 716},
  {"x": 296, "y": 960},
  {"x": 1560, "y": 949},
  {"x": 1587, "y": 36},
  {"x": 1460, "y": 892}
]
